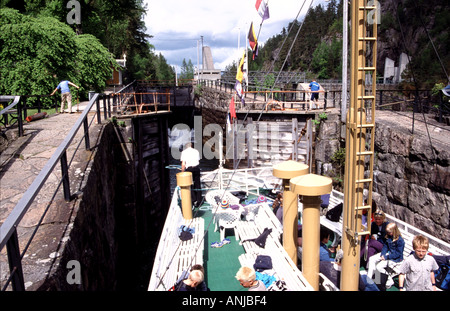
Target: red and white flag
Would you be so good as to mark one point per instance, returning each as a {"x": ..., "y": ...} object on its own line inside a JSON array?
[{"x": 263, "y": 9}]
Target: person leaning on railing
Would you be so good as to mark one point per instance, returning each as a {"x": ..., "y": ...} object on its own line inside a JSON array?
[{"x": 65, "y": 94}]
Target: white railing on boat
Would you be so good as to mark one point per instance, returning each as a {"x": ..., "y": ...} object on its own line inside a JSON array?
[
  {"x": 173, "y": 256},
  {"x": 250, "y": 180},
  {"x": 437, "y": 246}
]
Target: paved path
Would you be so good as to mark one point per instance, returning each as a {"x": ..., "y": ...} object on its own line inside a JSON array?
[
  {"x": 19, "y": 166},
  {"x": 424, "y": 125}
]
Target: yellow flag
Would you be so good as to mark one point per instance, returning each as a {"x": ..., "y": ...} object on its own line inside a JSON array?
[{"x": 240, "y": 70}]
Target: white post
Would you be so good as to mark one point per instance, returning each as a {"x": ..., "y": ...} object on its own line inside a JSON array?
[
  {"x": 344, "y": 61},
  {"x": 220, "y": 159}
]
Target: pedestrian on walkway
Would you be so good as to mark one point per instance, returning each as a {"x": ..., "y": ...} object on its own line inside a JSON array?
[
  {"x": 65, "y": 94},
  {"x": 314, "y": 87}
]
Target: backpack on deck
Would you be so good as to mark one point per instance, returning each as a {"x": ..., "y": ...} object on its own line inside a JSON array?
[
  {"x": 335, "y": 213},
  {"x": 442, "y": 275}
]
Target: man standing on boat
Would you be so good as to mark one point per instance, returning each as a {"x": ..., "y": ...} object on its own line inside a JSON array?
[
  {"x": 190, "y": 161},
  {"x": 314, "y": 88}
]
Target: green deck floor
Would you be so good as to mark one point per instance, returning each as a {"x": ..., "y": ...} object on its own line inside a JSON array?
[{"x": 221, "y": 264}]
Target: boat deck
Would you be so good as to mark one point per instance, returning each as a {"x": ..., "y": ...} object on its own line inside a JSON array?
[{"x": 221, "y": 264}]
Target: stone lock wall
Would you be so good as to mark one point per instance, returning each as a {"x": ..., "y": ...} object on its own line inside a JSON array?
[
  {"x": 117, "y": 224},
  {"x": 411, "y": 179}
]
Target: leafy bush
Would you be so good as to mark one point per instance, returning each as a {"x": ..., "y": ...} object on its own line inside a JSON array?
[{"x": 38, "y": 52}]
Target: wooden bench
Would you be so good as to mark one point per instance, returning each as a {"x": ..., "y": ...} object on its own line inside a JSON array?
[
  {"x": 437, "y": 247},
  {"x": 325, "y": 284},
  {"x": 283, "y": 266}
]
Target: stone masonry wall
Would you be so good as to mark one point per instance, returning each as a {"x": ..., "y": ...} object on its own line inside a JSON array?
[
  {"x": 92, "y": 238},
  {"x": 116, "y": 226},
  {"x": 411, "y": 182}
]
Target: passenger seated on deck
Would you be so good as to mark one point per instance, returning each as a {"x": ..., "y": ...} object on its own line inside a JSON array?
[
  {"x": 277, "y": 202},
  {"x": 247, "y": 277},
  {"x": 332, "y": 270},
  {"x": 390, "y": 257},
  {"x": 277, "y": 207},
  {"x": 202, "y": 286},
  {"x": 193, "y": 282},
  {"x": 374, "y": 243},
  {"x": 325, "y": 252}
]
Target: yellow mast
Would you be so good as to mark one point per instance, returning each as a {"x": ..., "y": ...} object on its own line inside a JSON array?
[{"x": 360, "y": 125}]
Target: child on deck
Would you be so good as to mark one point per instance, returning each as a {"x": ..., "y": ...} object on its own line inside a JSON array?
[{"x": 418, "y": 268}]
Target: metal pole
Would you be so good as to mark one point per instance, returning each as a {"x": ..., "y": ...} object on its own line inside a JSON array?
[
  {"x": 86, "y": 134},
  {"x": 184, "y": 181},
  {"x": 15, "y": 263},
  {"x": 203, "y": 65},
  {"x": 344, "y": 61},
  {"x": 287, "y": 171},
  {"x": 97, "y": 103},
  {"x": 65, "y": 176}
]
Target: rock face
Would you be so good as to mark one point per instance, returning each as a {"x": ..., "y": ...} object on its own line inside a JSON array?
[
  {"x": 412, "y": 180},
  {"x": 411, "y": 177}
]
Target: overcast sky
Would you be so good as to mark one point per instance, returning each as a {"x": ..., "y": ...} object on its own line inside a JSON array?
[{"x": 177, "y": 25}]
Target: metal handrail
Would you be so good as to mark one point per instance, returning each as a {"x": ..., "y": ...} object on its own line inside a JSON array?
[
  {"x": 8, "y": 233},
  {"x": 9, "y": 107}
]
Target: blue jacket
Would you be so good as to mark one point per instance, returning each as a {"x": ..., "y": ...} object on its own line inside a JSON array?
[
  {"x": 325, "y": 254},
  {"x": 314, "y": 86},
  {"x": 393, "y": 250}
]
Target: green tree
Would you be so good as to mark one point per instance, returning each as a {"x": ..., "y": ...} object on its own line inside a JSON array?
[
  {"x": 36, "y": 53},
  {"x": 117, "y": 24},
  {"x": 187, "y": 70},
  {"x": 319, "y": 62}
]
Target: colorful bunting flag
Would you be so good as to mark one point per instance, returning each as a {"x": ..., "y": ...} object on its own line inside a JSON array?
[
  {"x": 263, "y": 9},
  {"x": 232, "y": 109},
  {"x": 253, "y": 41},
  {"x": 240, "y": 69},
  {"x": 239, "y": 91},
  {"x": 239, "y": 78}
]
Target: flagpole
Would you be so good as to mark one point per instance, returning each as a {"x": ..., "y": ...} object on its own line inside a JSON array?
[
  {"x": 246, "y": 60},
  {"x": 202, "y": 57},
  {"x": 239, "y": 38}
]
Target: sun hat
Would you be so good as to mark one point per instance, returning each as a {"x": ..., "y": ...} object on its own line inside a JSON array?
[
  {"x": 225, "y": 204},
  {"x": 261, "y": 199}
]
